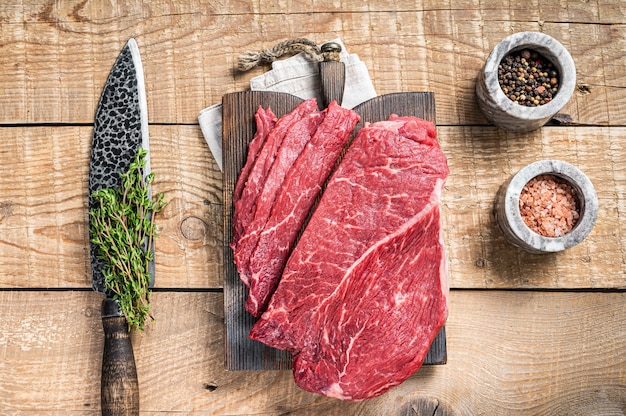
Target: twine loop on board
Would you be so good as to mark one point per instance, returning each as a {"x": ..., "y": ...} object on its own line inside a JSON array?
[{"x": 327, "y": 52}]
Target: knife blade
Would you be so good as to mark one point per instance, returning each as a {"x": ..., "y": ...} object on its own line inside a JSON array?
[{"x": 120, "y": 130}]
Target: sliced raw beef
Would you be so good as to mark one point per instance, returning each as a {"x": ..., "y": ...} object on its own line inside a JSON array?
[
  {"x": 293, "y": 203},
  {"x": 245, "y": 206},
  {"x": 364, "y": 292},
  {"x": 294, "y": 142},
  {"x": 265, "y": 122}
]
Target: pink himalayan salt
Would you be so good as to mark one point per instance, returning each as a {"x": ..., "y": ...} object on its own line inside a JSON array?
[{"x": 549, "y": 206}]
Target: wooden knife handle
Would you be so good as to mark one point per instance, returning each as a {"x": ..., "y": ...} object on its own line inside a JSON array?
[{"x": 119, "y": 389}]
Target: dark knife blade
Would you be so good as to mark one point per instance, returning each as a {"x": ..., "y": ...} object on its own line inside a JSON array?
[{"x": 120, "y": 129}]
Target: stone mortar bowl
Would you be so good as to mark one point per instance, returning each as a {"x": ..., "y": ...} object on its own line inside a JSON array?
[
  {"x": 504, "y": 112},
  {"x": 509, "y": 218}
]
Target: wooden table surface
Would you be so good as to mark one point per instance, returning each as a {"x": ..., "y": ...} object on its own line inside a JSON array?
[{"x": 527, "y": 334}]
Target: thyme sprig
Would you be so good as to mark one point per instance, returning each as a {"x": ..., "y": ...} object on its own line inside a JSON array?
[{"x": 123, "y": 230}]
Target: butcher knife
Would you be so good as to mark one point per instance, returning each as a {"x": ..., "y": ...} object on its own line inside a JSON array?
[{"x": 120, "y": 130}]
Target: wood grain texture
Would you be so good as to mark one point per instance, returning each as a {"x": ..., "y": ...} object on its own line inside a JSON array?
[
  {"x": 55, "y": 56},
  {"x": 43, "y": 218},
  {"x": 509, "y": 352},
  {"x": 482, "y": 159},
  {"x": 43, "y": 207},
  {"x": 334, "y": 76},
  {"x": 513, "y": 353}
]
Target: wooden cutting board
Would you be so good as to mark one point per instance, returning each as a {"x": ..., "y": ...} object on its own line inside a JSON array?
[{"x": 238, "y": 129}]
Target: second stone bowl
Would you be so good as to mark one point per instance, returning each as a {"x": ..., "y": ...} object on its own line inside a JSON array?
[
  {"x": 504, "y": 112},
  {"x": 509, "y": 217}
]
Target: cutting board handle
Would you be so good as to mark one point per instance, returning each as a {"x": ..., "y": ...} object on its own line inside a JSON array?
[
  {"x": 333, "y": 77},
  {"x": 119, "y": 389},
  {"x": 332, "y": 74}
]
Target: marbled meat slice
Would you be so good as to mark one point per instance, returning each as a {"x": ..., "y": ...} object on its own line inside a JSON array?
[
  {"x": 265, "y": 121},
  {"x": 365, "y": 291},
  {"x": 293, "y": 202},
  {"x": 292, "y": 145},
  {"x": 245, "y": 206}
]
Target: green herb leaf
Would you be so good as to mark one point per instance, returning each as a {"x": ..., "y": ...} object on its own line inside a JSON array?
[{"x": 123, "y": 229}]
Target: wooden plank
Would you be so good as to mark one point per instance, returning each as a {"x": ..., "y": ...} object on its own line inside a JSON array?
[
  {"x": 513, "y": 353},
  {"x": 510, "y": 352},
  {"x": 43, "y": 234},
  {"x": 43, "y": 207},
  {"x": 482, "y": 159},
  {"x": 55, "y": 57}
]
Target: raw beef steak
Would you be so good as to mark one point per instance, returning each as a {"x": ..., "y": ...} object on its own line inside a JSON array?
[
  {"x": 294, "y": 142},
  {"x": 245, "y": 205},
  {"x": 265, "y": 122},
  {"x": 293, "y": 202},
  {"x": 364, "y": 292}
]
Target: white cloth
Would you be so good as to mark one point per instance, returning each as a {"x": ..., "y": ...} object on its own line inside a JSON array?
[{"x": 298, "y": 76}]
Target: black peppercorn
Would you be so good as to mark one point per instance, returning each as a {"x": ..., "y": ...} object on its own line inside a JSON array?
[{"x": 527, "y": 78}]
